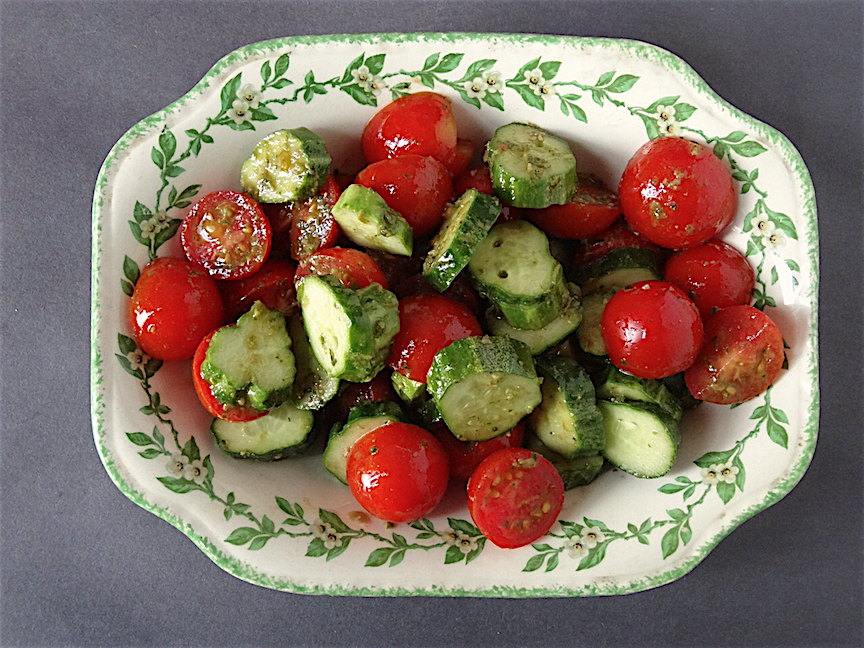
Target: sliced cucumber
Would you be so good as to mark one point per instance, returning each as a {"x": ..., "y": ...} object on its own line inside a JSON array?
[
  {"x": 678, "y": 387},
  {"x": 620, "y": 268},
  {"x": 350, "y": 331},
  {"x": 579, "y": 470},
  {"x": 370, "y": 222},
  {"x": 530, "y": 168},
  {"x": 547, "y": 336},
  {"x": 408, "y": 390},
  {"x": 284, "y": 431},
  {"x": 641, "y": 438},
  {"x": 483, "y": 386},
  {"x": 362, "y": 420},
  {"x": 251, "y": 362},
  {"x": 617, "y": 385},
  {"x": 286, "y": 166},
  {"x": 313, "y": 387},
  {"x": 568, "y": 420},
  {"x": 466, "y": 224},
  {"x": 589, "y": 333}
]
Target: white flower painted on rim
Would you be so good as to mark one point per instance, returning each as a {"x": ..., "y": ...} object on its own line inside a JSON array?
[
  {"x": 665, "y": 118},
  {"x": 376, "y": 85},
  {"x": 762, "y": 226},
  {"x": 327, "y": 533},
  {"x": 592, "y": 536},
  {"x": 250, "y": 95},
  {"x": 476, "y": 88},
  {"x": 176, "y": 465},
  {"x": 775, "y": 240},
  {"x": 547, "y": 90},
  {"x": 535, "y": 79},
  {"x": 194, "y": 471},
  {"x": 362, "y": 76},
  {"x": 466, "y": 543},
  {"x": 727, "y": 473},
  {"x": 138, "y": 359},
  {"x": 576, "y": 548},
  {"x": 711, "y": 474},
  {"x": 492, "y": 81},
  {"x": 239, "y": 111}
]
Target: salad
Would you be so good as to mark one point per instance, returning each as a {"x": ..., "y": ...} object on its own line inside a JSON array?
[{"x": 511, "y": 324}]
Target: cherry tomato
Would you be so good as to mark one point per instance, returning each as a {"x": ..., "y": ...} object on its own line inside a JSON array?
[
  {"x": 713, "y": 275},
  {"x": 416, "y": 124},
  {"x": 228, "y": 234},
  {"x": 677, "y": 193},
  {"x": 465, "y": 456},
  {"x": 651, "y": 329},
  {"x": 460, "y": 290},
  {"x": 281, "y": 216},
  {"x": 417, "y": 187},
  {"x": 515, "y": 496},
  {"x": 480, "y": 179},
  {"x": 214, "y": 406},
  {"x": 462, "y": 157},
  {"x": 617, "y": 236},
  {"x": 174, "y": 305},
  {"x": 590, "y": 211},
  {"x": 355, "y": 269},
  {"x": 312, "y": 224},
  {"x": 377, "y": 390},
  {"x": 427, "y": 323},
  {"x": 741, "y": 357},
  {"x": 398, "y": 472},
  {"x": 272, "y": 285}
]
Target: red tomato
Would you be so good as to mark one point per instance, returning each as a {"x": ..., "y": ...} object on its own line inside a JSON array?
[
  {"x": 228, "y": 234},
  {"x": 214, "y": 406},
  {"x": 427, "y": 323},
  {"x": 272, "y": 285},
  {"x": 417, "y": 187},
  {"x": 515, "y": 496},
  {"x": 377, "y": 390},
  {"x": 460, "y": 290},
  {"x": 462, "y": 157},
  {"x": 590, "y": 211},
  {"x": 281, "y": 216},
  {"x": 398, "y": 472},
  {"x": 355, "y": 269},
  {"x": 741, "y": 357},
  {"x": 713, "y": 275},
  {"x": 617, "y": 236},
  {"x": 417, "y": 124},
  {"x": 651, "y": 329},
  {"x": 480, "y": 179},
  {"x": 312, "y": 224},
  {"x": 174, "y": 305},
  {"x": 677, "y": 193},
  {"x": 465, "y": 456}
]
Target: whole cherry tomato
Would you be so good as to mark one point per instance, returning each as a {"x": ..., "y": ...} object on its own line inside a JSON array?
[
  {"x": 480, "y": 179},
  {"x": 416, "y": 124},
  {"x": 741, "y": 357},
  {"x": 427, "y": 323},
  {"x": 355, "y": 269},
  {"x": 227, "y": 234},
  {"x": 515, "y": 496},
  {"x": 651, "y": 329},
  {"x": 398, "y": 472},
  {"x": 465, "y": 456},
  {"x": 462, "y": 157},
  {"x": 713, "y": 275},
  {"x": 460, "y": 290},
  {"x": 272, "y": 285},
  {"x": 312, "y": 224},
  {"x": 677, "y": 193},
  {"x": 175, "y": 303},
  {"x": 591, "y": 210},
  {"x": 417, "y": 187}
]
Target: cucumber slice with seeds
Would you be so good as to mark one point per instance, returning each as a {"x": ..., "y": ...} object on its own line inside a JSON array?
[
  {"x": 408, "y": 390},
  {"x": 641, "y": 438},
  {"x": 620, "y": 268},
  {"x": 530, "y": 168},
  {"x": 589, "y": 334},
  {"x": 579, "y": 470},
  {"x": 284, "y": 431},
  {"x": 466, "y": 224},
  {"x": 545, "y": 337},
  {"x": 286, "y": 166},
  {"x": 617, "y": 385},
  {"x": 313, "y": 387},
  {"x": 370, "y": 222},
  {"x": 363, "y": 419},
  {"x": 483, "y": 386}
]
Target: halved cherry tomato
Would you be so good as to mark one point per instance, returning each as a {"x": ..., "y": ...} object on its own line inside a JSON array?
[
  {"x": 590, "y": 211},
  {"x": 677, "y": 193},
  {"x": 651, "y": 329},
  {"x": 175, "y": 303},
  {"x": 355, "y": 269},
  {"x": 204, "y": 389},
  {"x": 427, "y": 323},
  {"x": 313, "y": 227},
  {"x": 741, "y": 357},
  {"x": 460, "y": 290},
  {"x": 272, "y": 285},
  {"x": 281, "y": 216},
  {"x": 417, "y": 187},
  {"x": 227, "y": 234},
  {"x": 465, "y": 456},
  {"x": 617, "y": 236},
  {"x": 713, "y": 275},
  {"x": 462, "y": 157},
  {"x": 398, "y": 472},
  {"x": 377, "y": 390},
  {"x": 515, "y": 496},
  {"x": 416, "y": 124},
  {"x": 480, "y": 179}
]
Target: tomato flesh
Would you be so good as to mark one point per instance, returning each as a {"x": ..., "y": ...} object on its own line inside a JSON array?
[
  {"x": 590, "y": 211},
  {"x": 355, "y": 269},
  {"x": 465, "y": 456},
  {"x": 398, "y": 472},
  {"x": 677, "y": 193},
  {"x": 313, "y": 227},
  {"x": 175, "y": 303},
  {"x": 272, "y": 285},
  {"x": 651, "y": 329},
  {"x": 514, "y": 497},
  {"x": 228, "y": 234},
  {"x": 741, "y": 357}
]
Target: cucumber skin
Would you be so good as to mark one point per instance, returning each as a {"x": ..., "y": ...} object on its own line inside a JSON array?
[
  {"x": 316, "y": 172},
  {"x": 313, "y": 388},
  {"x": 615, "y": 383},
  {"x": 580, "y": 470},
  {"x": 598, "y": 275},
  {"x": 670, "y": 424},
  {"x": 535, "y": 315},
  {"x": 277, "y": 454},
  {"x": 359, "y": 204}
]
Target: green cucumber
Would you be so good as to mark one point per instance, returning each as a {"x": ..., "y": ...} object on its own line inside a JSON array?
[
  {"x": 370, "y": 222},
  {"x": 567, "y": 420},
  {"x": 589, "y": 333},
  {"x": 620, "y": 268},
  {"x": 547, "y": 336},
  {"x": 363, "y": 419},
  {"x": 350, "y": 331},
  {"x": 530, "y": 168},
  {"x": 285, "y": 431},
  {"x": 641, "y": 438},
  {"x": 408, "y": 390},
  {"x": 286, "y": 166},
  {"x": 466, "y": 224},
  {"x": 579, "y": 470},
  {"x": 617, "y": 385},
  {"x": 313, "y": 387},
  {"x": 251, "y": 362},
  {"x": 483, "y": 386}
]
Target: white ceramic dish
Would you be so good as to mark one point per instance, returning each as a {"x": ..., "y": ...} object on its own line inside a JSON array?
[{"x": 289, "y": 525}]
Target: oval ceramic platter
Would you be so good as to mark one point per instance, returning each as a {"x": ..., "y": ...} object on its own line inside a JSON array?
[{"x": 289, "y": 525}]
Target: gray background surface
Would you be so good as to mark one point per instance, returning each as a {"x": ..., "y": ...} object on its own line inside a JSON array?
[{"x": 82, "y": 565}]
